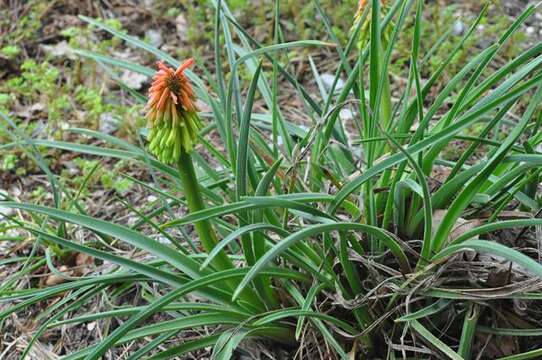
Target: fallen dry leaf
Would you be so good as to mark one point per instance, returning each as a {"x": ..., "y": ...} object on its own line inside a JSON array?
[{"x": 54, "y": 279}]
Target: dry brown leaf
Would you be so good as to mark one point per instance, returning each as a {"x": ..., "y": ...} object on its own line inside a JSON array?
[
  {"x": 500, "y": 346},
  {"x": 83, "y": 264},
  {"x": 54, "y": 279}
]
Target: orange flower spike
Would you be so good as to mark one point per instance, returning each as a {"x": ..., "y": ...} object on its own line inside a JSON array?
[
  {"x": 363, "y": 3},
  {"x": 365, "y": 27},
  {"x": 172, "y": 113}
]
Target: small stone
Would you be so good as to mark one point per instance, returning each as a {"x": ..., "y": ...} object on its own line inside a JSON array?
[
  {"x": 459, "y": 28},
  {"x": 61, "y": 49},
  {"x": 6, "y": 245},
  {"x": 181, "y": 25},
  {"x": 203, "y": 106},
  {"x": 5, "y": 211},
  {"x": 133, "y": 80},
  {"x": 37, "y": 107},
  {"x": 72, "y": 168},
  {"x": 530, "y": 30},
  {"x": 15, "y": 191},
  {"x": 108, "y": 123},
  {"x": 151, "y": 199},
  {"x": 32, "y": 111},
  {"x": 346, "y": 114},
  {"x": 155, "y": 37},
  {"x": 163, "y": 240},
  {"x": 328, "y": 79}
]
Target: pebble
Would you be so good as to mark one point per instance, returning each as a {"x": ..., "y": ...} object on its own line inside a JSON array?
[
  {"x": 346, "y": 114},
  {"x": 5, "y": 246},
  {"x": 61, "y": 50},
  {"x": 459, "y": 28},
  {"x": 133, "y": 80},
  {"x": 108, "y": 123},
  {"x": 155, "y": 37},
  {"x": 4, "y": 211},
  {"x": 72, "y": 168},
  {"x": 328, "y": 79},
  {"x": 181, "y": 25},
  {"x": 163, "y": 240}
]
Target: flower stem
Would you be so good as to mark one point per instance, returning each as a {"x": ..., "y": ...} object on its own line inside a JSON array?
[
  {"x": 195, "y": 203},
  {"x": 204, "y": 228}
]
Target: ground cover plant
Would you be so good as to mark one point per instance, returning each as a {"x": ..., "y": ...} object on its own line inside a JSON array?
[{"x": 337, "y": 238}]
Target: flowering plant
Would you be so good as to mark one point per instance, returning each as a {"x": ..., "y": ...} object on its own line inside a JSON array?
[{"x": 355, "y": 242}]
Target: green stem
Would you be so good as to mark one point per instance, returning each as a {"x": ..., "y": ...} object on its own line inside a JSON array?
[
  {"x": 195, "y": 203},
  {"x": 204, "y": 228}
]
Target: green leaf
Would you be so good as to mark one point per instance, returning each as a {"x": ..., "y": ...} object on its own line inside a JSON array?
[
  {"x": 285, "y": 313},
  {"x": 180, "y": 261},
  {"x": 124, "y": 333},
  {"x": 123, "y": 64},
  {"x": 533, "y": 354},
  {"x": 289, "y": 201},
  {"x": 465, "y": 197},
  {"x": 276, "y": 250},
  {"x": 492, "y": 248},
  {"x": 414, "y": 149},
  {"x": 433, "y": 340},
  {"x": 227, "y": 343},
  {"x": 487, "y": 228},
  {"x": 237, "y": 233},
  {"x": 432, "y": 309}
]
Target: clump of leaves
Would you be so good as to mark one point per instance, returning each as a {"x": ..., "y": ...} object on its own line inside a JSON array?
[
  {"x": 10, "y": 51},
  {"x": 366, "y": 250},
  {"x": 9, "y": 162}
]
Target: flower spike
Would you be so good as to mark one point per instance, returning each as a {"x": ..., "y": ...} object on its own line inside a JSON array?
[
  {"x": 365, "y": 27},
  {"x": 172, "y": 113}
]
